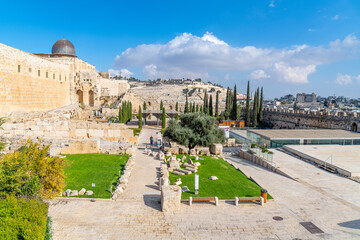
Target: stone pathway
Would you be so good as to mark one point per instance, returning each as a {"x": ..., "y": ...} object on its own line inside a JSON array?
[{"x": 137, "y": 215}]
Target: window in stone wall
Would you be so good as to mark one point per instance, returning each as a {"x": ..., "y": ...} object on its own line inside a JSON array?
[
  {"x": 54, "y": 76},
  {"x": 47, "y": 74},
  {"x": 39, "y": 73},
  {"x": 60, "y": 77},
  {"x": 65, "y": 78},
  {"x": 18, "y": 68},
  {"x": 29, "y": 69}
]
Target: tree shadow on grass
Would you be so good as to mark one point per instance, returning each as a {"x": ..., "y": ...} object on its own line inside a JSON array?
[{"x": 153, "y": 201}]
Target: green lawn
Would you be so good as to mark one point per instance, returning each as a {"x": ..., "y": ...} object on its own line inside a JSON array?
[
  {"x": 232, "y": 183},
  {"x": 101, "y": 169}
]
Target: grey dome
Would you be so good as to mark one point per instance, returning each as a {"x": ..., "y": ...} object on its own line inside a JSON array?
[{"x": 63, "y": 47}]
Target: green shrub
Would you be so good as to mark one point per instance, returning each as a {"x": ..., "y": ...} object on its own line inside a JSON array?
[
  {"x": 22, "y": 218},
  {"x": 136, "y": 131}
]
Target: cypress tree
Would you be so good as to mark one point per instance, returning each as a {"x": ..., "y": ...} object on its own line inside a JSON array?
[
  {"x": 177, "y": 106},
  {"x": 190, "y": 107},
  {"x": 130, "y": 111},
  {"x": 227, "y": 100},
  {"x": 161, "y": 105},
  {"x": 163, "y": 119},
  {"x": 238, "y": 112},
  {"x": 197, "y": 107},
  {"x": 144, "y": 106},
  {"x": 206, "y": 103},
  {"x": 140, "y": 118},
  {"x": 193, "y": 107},
  {"x": 120, "y": 115},
  {"x": 255, "y": 110},
  {"x": 217, "y": 104},
  {"x": 201, "y": 108},
  {"x": 261, "y": 106},
  {"x": 234, "y": 107},
  {"x": 247, "y": 112},
  {"x": 186, "y": 105},
  {"x": 211, "y": 106}
]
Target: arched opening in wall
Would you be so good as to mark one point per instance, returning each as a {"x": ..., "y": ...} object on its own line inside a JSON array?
[
  {"x": 171, "y": 107},
  {"x": 91, "y": 98},
  {"x": 298, "y": 122},
  {"x": 149, "y": 104},
  {"x": 354, "y": 127},
  {"x": 80, "y": 97}
]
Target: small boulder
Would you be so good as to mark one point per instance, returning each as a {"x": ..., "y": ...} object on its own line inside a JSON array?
[
  {"x": 196, "y": 157},
  {"x": 197, "y": 164},
  {"x": 89, "y": 192},
  {"x": 213, "y": 178},
  {"x": 190, "y": 161},
  {"x": 74, "y": 193},
  {"x": 185, "y": 189},
  {"x": 82, "y": 191},
  {"x": 183, "y": 158},
  {"x": 177, "y": 183}
]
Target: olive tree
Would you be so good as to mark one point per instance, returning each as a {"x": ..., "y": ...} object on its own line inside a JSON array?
[{"x": 195, "y": 129}]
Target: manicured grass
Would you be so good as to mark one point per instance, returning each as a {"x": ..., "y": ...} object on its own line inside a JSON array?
[
  {"x": 101, "y": 169},
  {"x": 231, "y": 183}
]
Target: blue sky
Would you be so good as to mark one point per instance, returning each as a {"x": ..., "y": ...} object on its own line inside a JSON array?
[{"x": 285, "y": 46}]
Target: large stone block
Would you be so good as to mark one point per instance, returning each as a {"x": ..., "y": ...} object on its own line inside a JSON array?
[
  {"x": 170, "y": 198},
  {"x": 216, "y": 149}
]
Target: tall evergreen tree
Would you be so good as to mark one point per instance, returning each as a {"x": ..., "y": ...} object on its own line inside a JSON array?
[
  {"x": 144, "y": 106},
  {"x": 130, "y": 106},
  {"x": 186, "y": 110},
  {"x": 197, "y": 107},
  {"x": 255, "y": 110},
  {"x": 120, "y": 115},
  {"x": 238, "y": 116},
  {"x": 211, "y": 112},
  {"x": 234, "y": 107},
  {"x": 163, "y": 118},
  {"x": 177, "y": 106},
  {"x": 217, "y": 104},
  {"x": 227, "y": 107},
  {"x": 190, "y": 106},
  {"x": 205, "y": 105},
  {"x": 193, "y": 107},
  {"x": 247, "y": 111},
  {"x": 261, "y": 108},
  {"x": 201, "y": 108},
  {"x": 161, "y": 105},
  {"x": 140, "y": 117}
]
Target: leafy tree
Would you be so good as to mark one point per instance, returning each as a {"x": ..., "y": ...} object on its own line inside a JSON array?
[
  {"x": 2, "y": 145},
  {"x": 261, "y": 107},
  {"x": 211, "y": 112},
  {"x": 234, "y": 107},
  {"x": 195, "y": 129},
  {"x": 163, "y": 118},
  {"x": 186, "y": 105},
  {"x": 144, "y": 106},
  {"x": 140, "y": 117},
  {"x": 247, "y": 111},
  {"x": 30, "y": 171},
  {"x": 217, "y": 104}
]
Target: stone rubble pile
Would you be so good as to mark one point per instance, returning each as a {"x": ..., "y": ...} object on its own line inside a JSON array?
[{"x": 124, "y": 179}]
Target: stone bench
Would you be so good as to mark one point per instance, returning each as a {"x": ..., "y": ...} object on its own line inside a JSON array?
[
  {"x": 203, "y": 199},
  {"x": 248, "y": 199}
]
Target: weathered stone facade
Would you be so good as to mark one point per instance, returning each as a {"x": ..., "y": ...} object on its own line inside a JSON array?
[
  {"x": 30, "y": 82},
  {"x": 290, "y": 119}
]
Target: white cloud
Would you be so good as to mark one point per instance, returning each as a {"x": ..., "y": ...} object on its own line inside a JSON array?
[
  {"x": 190, "y": 56},
  {"x": 358, "y": 78},
  {"x": 311, "y": 30},
  {"x": 227, "y": 76},
  {"x": 343, "y": 79},
  {"x": 336, "y": 17},
  {"x": 114, "y": 72},
  {"x": 122, "y": 72},
  {"x": 272, "y": 3},
  {"x": 258, "y": 74}
]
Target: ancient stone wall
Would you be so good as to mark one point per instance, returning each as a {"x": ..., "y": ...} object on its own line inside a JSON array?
[
  {"x": 290, "y": 119},
  {"x": 110, "y": 87},
  {"x": 30, "y": 83}
]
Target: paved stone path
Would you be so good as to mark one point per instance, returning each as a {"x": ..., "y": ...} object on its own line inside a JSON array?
[{"x": 137, "y": 215}]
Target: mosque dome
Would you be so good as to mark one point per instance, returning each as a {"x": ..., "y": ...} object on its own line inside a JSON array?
[{"x": 63, "y": 47}]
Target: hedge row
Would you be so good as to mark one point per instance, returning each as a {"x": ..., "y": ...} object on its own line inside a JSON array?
[{"x": 22, "y": 218}]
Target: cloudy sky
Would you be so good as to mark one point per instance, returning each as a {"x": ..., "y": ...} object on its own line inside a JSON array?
[{"x": 285, "y": 46}]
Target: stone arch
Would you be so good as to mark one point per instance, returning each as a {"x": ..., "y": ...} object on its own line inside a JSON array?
[
  {"x": 171, "y": 107},
  {"x": 149, "y": 104},
  {"x": 354, "y": 127},
  {"x": 80, "y": 96},
  {"x": 91, "y": 98}
]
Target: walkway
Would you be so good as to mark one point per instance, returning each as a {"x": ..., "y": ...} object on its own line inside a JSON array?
[{"x": 137, "y": 215}]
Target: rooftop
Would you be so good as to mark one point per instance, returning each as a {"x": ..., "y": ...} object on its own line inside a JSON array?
[{"x": 305, "y": 134}]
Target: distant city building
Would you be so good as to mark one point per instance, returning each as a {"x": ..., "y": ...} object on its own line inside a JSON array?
[{"x": 305, "y": 98}]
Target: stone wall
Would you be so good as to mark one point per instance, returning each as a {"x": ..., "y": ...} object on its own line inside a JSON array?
[
  {"x": 290, "y": 119},
  {"x": 110, "y": 87},
  {"x": 30, "y": 83}
]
